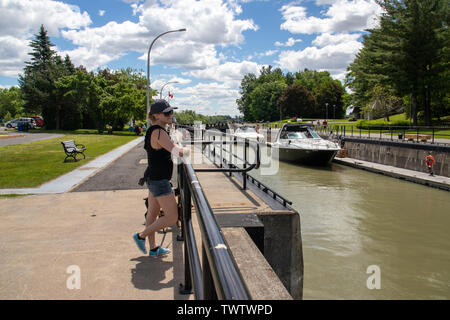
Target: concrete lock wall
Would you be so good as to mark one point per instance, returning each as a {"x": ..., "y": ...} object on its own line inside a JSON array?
[
  {"x": 283, "y": 249},
  {"x": 399, "y": 155}
]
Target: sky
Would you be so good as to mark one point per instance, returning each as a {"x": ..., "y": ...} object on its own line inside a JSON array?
[{"x": 224, "y": 40}]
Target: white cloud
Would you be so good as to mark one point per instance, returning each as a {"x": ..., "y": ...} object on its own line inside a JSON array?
[
  {"x": 209, "y": 23},
  {"x": 341, "y": 16},
  {"x": 339, "y": 27},
  {"x": 332, "y": 57},
  {"x": 101, "y": 13},
  {"x": 228, "y": 72},
  {"x": 208, "y": 98},
  {"x": 326, "y": 39},
  {"x": 21, "y": 19},
  {"x": 289, "y": 43}
]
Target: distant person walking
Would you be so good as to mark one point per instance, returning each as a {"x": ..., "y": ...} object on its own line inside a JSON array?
[
  {"x": 430, "y": 162},
  {"x": 159, "y": 149}
]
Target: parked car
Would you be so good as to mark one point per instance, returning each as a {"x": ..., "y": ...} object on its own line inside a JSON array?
[
  {"x": 14, "y": 122},
  {"x": 39, "y": 121}
]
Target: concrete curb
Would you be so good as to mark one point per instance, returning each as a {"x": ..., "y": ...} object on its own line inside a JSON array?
[
  {"x": 71, "y": 179},
  {"x": 11, "y": 136}
]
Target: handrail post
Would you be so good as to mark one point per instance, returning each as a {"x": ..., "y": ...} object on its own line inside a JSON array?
[
  {"x": 186, "y": 207},
  {"x": 214, "y": 149},
  {"x": 230, "y": 164},
  {"x": 244, "y": 174},
  {"x": 221, "y": 151}
]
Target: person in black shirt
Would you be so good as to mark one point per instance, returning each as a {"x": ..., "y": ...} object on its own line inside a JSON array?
[{"x": 160, "y": 149}]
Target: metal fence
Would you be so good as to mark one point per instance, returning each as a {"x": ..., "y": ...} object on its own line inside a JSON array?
[{"x": 434, "y": 135}]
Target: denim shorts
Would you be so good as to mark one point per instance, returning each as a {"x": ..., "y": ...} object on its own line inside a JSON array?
[{"x": 159, "y": 188}]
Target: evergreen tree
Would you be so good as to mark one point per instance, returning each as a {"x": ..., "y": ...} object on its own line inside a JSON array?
[
  {"x": 38, "y": 84},
  {"x": 408, "y": 52}
]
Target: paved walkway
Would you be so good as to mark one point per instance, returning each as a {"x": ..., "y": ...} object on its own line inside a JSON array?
[
  {"x": 13, "y": 138},
  {"x": 46, "y": 236},
  {"x": 69, "y": 180},
  {"x": 42, "y": 236}
]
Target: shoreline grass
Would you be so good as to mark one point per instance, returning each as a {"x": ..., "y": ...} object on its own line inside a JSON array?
[{"x": 32, "y": 164}]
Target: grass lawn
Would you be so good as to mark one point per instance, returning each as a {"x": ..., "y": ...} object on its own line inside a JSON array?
[{"x": 32, "y": 164}]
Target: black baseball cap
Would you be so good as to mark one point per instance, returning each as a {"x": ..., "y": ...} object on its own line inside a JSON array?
[{"x": 160, "y": 105}]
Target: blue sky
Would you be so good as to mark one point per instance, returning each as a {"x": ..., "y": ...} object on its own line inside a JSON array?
[{"x": 225, "y": 39}]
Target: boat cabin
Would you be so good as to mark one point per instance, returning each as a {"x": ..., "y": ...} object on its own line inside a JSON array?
[{"x": 298, "y": 131}]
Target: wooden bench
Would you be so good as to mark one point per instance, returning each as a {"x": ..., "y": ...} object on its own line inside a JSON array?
[
  {"x": 71, "y": 149},
  {"x": 414, "y": 136}
]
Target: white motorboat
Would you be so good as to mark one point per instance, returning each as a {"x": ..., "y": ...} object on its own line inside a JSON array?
[
  {"x": 298, "y": 142},
  {"x": 248, "y": 132}
]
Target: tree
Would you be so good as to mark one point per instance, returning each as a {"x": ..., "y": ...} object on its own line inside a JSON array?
[
  {"x": 320, "y": 88},
  {"x": 324, "y": 89},
  {"x": 122, "y": 97},
  {"x": 408, "y": 52},
  {"x": 384, "y": 102},
  {"x": 248, "y": 84},
  {"x": 11, "y": 102},
  {"x": 40, "y": 76},
  {"x": 72, "y": 92},
  {"x": 297, "y": 101},
  {"x": 264, "y": 100}
]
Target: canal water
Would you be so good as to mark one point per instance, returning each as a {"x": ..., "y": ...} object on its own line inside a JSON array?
[{"x": 363, "y": 230}]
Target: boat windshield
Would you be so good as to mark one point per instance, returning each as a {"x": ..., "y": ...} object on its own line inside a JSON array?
[
  {"x": 314, "y": 134},
  {"x": 295, "y": 135},
  {"x": 245, "y": 130},
  {"x": 299, "y": 133}
]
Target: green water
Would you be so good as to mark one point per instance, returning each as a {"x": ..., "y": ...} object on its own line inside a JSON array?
[{"x": 353, "y": 219}]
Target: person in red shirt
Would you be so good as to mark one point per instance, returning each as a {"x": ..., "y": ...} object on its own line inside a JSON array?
[{"x": 430, "y": 161}]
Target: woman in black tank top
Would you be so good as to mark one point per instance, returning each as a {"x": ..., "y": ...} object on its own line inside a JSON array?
[{"x": 160, "y": 149}]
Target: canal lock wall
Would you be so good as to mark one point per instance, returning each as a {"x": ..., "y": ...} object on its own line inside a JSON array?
[{"x": 411, "y": 156}]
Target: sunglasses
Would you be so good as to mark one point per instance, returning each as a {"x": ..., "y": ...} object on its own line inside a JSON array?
[{"x": 168, "y": 113}]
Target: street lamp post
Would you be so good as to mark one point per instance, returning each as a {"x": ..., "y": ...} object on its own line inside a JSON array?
[
  {"x": 326, "y": 106},
  {"x": 148, "y": 69},
  {"x": 334, "y": 111},
  {"x": 160, "y": 92}
]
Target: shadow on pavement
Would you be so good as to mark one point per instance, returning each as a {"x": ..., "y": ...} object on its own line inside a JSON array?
[{"x": 150, "y": 273}]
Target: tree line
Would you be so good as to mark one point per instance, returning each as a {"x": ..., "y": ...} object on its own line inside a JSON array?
[
  {"x": 272, "y": 95},
  {"x": 69, "y": 97},
  {"x": 404, "y": 62}
]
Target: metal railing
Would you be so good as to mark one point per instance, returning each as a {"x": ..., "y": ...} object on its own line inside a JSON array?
[
  {"x": 226, "y": 155},
  {"x": 219, "y": 278},
  {"x": 392, "y": 133}
]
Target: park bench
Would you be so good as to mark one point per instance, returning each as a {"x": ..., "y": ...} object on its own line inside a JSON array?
[
  {"x": 71, "y": 149},
  {"x": 421, "y": 137}
]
